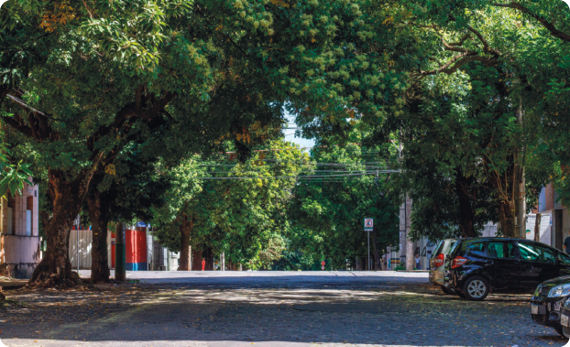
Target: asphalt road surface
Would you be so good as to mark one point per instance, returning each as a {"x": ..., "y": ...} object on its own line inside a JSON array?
[{"x": 217, "y": 309}]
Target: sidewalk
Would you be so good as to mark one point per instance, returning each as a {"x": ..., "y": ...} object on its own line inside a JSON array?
[{"x": 271, "y": 277}]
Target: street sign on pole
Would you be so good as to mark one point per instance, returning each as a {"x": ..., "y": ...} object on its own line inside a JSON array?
[
  {"x": 368, "y": 227},
  {"x": 368, "y": 224}
]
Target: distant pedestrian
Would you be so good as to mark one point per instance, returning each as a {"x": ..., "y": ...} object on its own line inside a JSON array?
[
  {"x": 417, "y": 262},
  {"x": 567, "y": 244},
  {"x": 203, "y": 264}
]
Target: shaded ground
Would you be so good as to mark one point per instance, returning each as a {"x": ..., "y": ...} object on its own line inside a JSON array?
[{"x": 383, "y": 310}]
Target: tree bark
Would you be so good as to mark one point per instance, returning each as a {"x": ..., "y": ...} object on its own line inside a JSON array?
[
  {"x": 507, "y": 218},
  {"x": 185, "y": 231},
  {"x": 537, "y": 227},
  {"x": 197, "y": 263},
  {"x": 99, "y": 222},
  {"x": 466, "y": 211},
  {"x": 55, "y": 267}
]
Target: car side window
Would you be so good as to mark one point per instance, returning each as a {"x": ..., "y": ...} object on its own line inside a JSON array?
[
  {"x": 501, "y": 250},
  {"x": 536, "y": 253},
  {"x": 528, "y": 251},
  {"x": 564, "y": 258},
  {"x": 548, "y": 255},
  {"x": 476, "y": 248}
]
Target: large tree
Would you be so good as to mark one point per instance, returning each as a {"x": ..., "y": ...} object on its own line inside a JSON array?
[
  {"x": 230, "y": 206},
  {"x": 91, "y": 76},
  {"x": 481, "y": 72}
]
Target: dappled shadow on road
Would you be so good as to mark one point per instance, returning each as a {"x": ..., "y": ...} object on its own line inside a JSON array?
[{"x": 390, "y": 314}]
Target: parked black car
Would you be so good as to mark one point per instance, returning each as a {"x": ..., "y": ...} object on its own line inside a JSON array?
[
  {"x": 565, "y": 317},
  {"x": 502, "y": 265},
  {"x": 548, "y": 301}
]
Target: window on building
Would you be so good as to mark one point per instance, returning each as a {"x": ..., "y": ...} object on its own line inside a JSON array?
[
  {"x": 11, "y": 217},
  {"x": 29, "y": 216}
]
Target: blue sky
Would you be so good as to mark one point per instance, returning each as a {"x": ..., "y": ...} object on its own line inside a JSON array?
[{"x": 290, "y": 134}]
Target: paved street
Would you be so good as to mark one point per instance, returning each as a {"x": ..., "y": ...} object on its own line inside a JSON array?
[{"x": 217, "y": 309}]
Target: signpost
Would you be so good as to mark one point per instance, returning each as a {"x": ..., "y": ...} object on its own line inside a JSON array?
[
  {"x": 77, "y": 222},
  {"x": 368, "y": 227}
]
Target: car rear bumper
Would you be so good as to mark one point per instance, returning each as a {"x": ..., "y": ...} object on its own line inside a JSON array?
[{"x": 436, "y": 277}]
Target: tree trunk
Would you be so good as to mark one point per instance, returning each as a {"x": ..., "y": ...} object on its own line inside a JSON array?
[
  {"x": 375, "y": 253},
  {"x": 507, "y": 218},
  {"x": 99, "y": 222},
  {"x": 55, "y": 267},
  {"x": 537, "y": 227},
  {"x": 185, "y": 232},
  {"x": 197, "y": 263},
  {"x": 466, "y": 211}
]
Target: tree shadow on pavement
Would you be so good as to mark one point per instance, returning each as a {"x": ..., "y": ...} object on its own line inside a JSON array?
[{"x": 412, "y": 314}]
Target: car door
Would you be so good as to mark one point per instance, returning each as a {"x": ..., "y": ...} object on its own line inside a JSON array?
[
  {"x": 505, "y": 265},
  {"x": 538, "y": 263},
  {"x": 530, "y": 268},
  {"x": 564, "y": 264}
]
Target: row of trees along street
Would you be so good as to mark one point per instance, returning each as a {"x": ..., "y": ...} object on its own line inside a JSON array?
[{"x": 127, "y": 110}]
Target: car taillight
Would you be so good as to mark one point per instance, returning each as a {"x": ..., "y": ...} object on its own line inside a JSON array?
[
  {"x": 438, "y": 261},
  {"x": 457, "y": 262}
]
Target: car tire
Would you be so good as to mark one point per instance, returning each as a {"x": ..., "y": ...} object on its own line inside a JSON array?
[
  {"x": 476, "y": 288},
  {"x": 566, "y": 332},
  {"x": 446, "y": 290},
  {"x": 559, "y": 330}
]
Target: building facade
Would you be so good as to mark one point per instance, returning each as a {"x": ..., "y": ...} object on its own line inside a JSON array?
[
  {"x": 20, "y": 249},
  {"x": 555, "y": 219}
]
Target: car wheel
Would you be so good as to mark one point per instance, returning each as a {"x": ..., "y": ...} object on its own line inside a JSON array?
[
  {"x": 566, "y": 332},
  {"x": 446, "y": 290},
  {"x": 476, "y": 288},
  {"x": 559, "y": 330}
]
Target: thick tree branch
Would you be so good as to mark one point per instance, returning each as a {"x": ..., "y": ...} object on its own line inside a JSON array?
[
  {"x": 458, "y": 61},
  {"x": 454, "y": 48},
  {"x": 549, "y": 26},
  {"x": 486, "y": 47},
  {"x": 462, "y": 41},
  {"x": 16, "y": 124}
]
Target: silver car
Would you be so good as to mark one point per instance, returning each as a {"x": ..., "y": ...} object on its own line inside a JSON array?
[{"x": 438, "y": 262}]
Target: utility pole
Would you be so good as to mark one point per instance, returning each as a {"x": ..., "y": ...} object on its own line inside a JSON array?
[
  {"x": 120, "y": 252},
  {"x": 519, "y": 183},
  {"x": 409, "y": 250},
  {"x": 410, "y": 262}
]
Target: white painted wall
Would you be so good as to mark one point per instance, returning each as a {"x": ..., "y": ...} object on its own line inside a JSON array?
[
  {"x": 85, "y": 246},
  {"x": 545, "y": 228}
]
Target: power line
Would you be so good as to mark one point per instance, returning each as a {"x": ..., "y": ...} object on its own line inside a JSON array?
[{"x": 298, "y": 176}]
